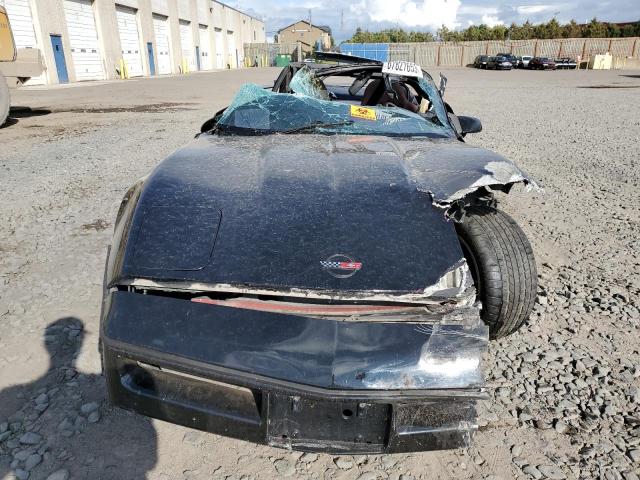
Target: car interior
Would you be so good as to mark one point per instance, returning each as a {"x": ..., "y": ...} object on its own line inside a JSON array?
[{"x": 369, "y": 88}]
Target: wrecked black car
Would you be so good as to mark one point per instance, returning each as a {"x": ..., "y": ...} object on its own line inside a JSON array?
[{"x": 320, "y": 269}]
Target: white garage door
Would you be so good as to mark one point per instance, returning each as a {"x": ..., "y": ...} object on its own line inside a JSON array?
[
  {"x": 186, "y": 44},
  {"x": 21, "y": 23},
  {"x": 161, "y": 31},
  {"x": 231, "y": 49},
  {"x": 219, "y": 48},
  {"x": 129, "y": 40},
  {"x": 23, "y": 31},
  {"x": 205, "y": 47},
  {"x": 83, "y": 36}
]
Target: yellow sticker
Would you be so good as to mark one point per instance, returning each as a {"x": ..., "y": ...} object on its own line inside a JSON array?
[{"x": 363, "y": 112}]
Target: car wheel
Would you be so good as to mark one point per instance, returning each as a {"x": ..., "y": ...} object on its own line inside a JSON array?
[
  {"x": 5, "y": 101},
  {"x": 503, "y": 268}
]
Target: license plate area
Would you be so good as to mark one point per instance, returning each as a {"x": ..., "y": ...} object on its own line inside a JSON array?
[{"x": 312, "y": 424}]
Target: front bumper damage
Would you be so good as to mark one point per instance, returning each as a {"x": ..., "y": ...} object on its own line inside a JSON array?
[{"x": 347, "y": 385}]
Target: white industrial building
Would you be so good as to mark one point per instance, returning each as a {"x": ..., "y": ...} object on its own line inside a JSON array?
[{"x": 102, "y": 39}]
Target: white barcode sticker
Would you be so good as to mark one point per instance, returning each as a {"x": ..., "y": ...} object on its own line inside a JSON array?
[{"x": 406, "y": 69}]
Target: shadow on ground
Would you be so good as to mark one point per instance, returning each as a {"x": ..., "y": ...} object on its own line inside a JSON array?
[
  {"x": 26, "y": 112},
  {"x": 61, "y": 422}
]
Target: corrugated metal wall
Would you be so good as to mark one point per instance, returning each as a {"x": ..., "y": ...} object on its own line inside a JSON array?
[{"x": 374, "y": 51}]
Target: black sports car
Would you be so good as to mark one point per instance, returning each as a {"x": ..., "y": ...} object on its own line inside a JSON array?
[{"x": 320, "y": 269}]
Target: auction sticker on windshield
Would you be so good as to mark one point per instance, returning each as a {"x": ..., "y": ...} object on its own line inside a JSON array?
[
  {"x": 363, "y": 112},
  {"x": 406, "y": 69}
]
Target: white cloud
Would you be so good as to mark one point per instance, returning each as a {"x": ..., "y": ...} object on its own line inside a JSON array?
[
  {"x": 477, "y": 10},
  {"x": 421, "y": 13},
  {"x": 491, "y": 20},
  {"x": 533, "y": 9}
]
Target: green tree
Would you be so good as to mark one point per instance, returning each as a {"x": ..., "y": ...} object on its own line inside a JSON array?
[
  {"x": 596, "y": 29},
  {"x": 554, "y": 29},
  {"x": 527, "y": 31},
  {"x": 571, "y": 30},
  {"x": 614, "y": 31},
  {"x": 499, "y": 32}
]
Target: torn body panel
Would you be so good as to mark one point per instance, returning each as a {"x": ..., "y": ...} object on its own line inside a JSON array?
[{"x": 295, "y": 202}]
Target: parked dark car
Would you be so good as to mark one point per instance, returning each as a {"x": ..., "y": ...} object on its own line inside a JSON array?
[
  {"x": 499, "y": 63},
  {"x": 481, "y": 61},
  {"x": 542, "y": 63},
  {"x": 565, "y": 63},
  {"x": 320, "y": 269},
  {"x": 510, "y": 58}
]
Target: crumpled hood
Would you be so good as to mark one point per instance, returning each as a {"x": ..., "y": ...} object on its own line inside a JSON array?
[{"x": 347, "y": 213}]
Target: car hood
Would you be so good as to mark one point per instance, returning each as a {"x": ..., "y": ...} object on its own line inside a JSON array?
[{"x": 310, "y": 212}]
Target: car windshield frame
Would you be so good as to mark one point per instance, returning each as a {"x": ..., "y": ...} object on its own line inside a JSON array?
[{"x": 310, "y": 109}]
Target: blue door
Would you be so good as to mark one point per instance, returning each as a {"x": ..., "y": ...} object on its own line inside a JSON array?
[
  {"x": 58, "y": 55},
  {"x": 198, "y": 57},
  {"x": 152, "y": 63}
]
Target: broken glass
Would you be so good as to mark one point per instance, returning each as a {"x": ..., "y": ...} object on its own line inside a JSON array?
[
  {"x": 305, "y": 82},
  {"x": 256, "y": 111}
]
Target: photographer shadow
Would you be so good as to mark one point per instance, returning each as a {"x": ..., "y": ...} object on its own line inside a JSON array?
[{"x": 62, "y": 422}]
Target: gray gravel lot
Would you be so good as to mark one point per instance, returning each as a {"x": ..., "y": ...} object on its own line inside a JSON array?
[{"x": 565, "y": 390}]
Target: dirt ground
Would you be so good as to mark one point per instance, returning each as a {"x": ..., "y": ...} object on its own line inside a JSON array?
[{"x": 565, "y": 391}]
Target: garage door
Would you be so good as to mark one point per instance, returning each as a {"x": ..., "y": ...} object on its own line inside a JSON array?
[
  {"x": 129, "y": 40},
  {"x": 21, "y": 23},
  {"x": 83, "y": 37},
  {"x": 23, "y": 31},
  {"x": 186, "y": 44},
  {"x": 219, "y": 48},
  {"x": 205, "y": 48},
  {"x": 161, "y": 31},
  {"x": 231, "y": 49}
]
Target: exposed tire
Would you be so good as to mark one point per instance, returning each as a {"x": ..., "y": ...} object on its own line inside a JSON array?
[
  {"x": 5, "y": 100},
  {"x": 503, "y": 268}
]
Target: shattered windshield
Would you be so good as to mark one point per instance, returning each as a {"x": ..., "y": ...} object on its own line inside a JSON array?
[{"x": 256, "y": 111}]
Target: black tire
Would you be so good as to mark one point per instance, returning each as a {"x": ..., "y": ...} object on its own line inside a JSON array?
[
  {"x": 503, "y": 268},
  {"x": 5, "y": 100}
]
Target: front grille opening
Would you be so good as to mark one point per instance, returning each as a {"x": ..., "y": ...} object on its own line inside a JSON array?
[{"x": 292, "y": 305}]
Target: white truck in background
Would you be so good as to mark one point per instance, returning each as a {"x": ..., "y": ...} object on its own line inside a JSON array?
[{"x": 16, "y": 67}]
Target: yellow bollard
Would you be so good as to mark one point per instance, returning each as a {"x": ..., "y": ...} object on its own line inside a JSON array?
[{"x": 122, "y": 73}]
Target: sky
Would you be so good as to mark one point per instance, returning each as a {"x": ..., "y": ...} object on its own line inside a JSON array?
[{"x": 428, "y": 15}]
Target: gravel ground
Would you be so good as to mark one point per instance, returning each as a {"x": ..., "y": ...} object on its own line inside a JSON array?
[{"x": 565, "y": 390}]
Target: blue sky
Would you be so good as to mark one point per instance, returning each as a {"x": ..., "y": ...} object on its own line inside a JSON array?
[{"x": 430, "y": 14}]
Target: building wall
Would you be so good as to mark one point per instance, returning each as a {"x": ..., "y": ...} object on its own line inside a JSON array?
[
  {"x": 302, "y": 32},
  {"x": 49, "y": 19}
]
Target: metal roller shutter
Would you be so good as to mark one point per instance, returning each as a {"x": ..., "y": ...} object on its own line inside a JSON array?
[
  {"x": 186, "y": 44},
  {"x": 205, "y": 48},
  {"x": 129, "y": 39},
  {"x": 161, "y": 32},
  {"x": 231, "y": 49},
  {"x": 83, "y": 36},
  {"x": 24, "y": 35},
  {"x": 21, "y": 23},
  {"x": 219, "y": 48}
]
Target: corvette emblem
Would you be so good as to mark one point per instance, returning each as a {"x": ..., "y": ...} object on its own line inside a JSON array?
[{"x": 341, "y": 266}]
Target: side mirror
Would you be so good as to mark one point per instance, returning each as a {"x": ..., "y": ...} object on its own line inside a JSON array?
[{"x": 470, "y": 125}]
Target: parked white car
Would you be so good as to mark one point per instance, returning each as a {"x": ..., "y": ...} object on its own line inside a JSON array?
[{"x": 523, "y": 61}]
